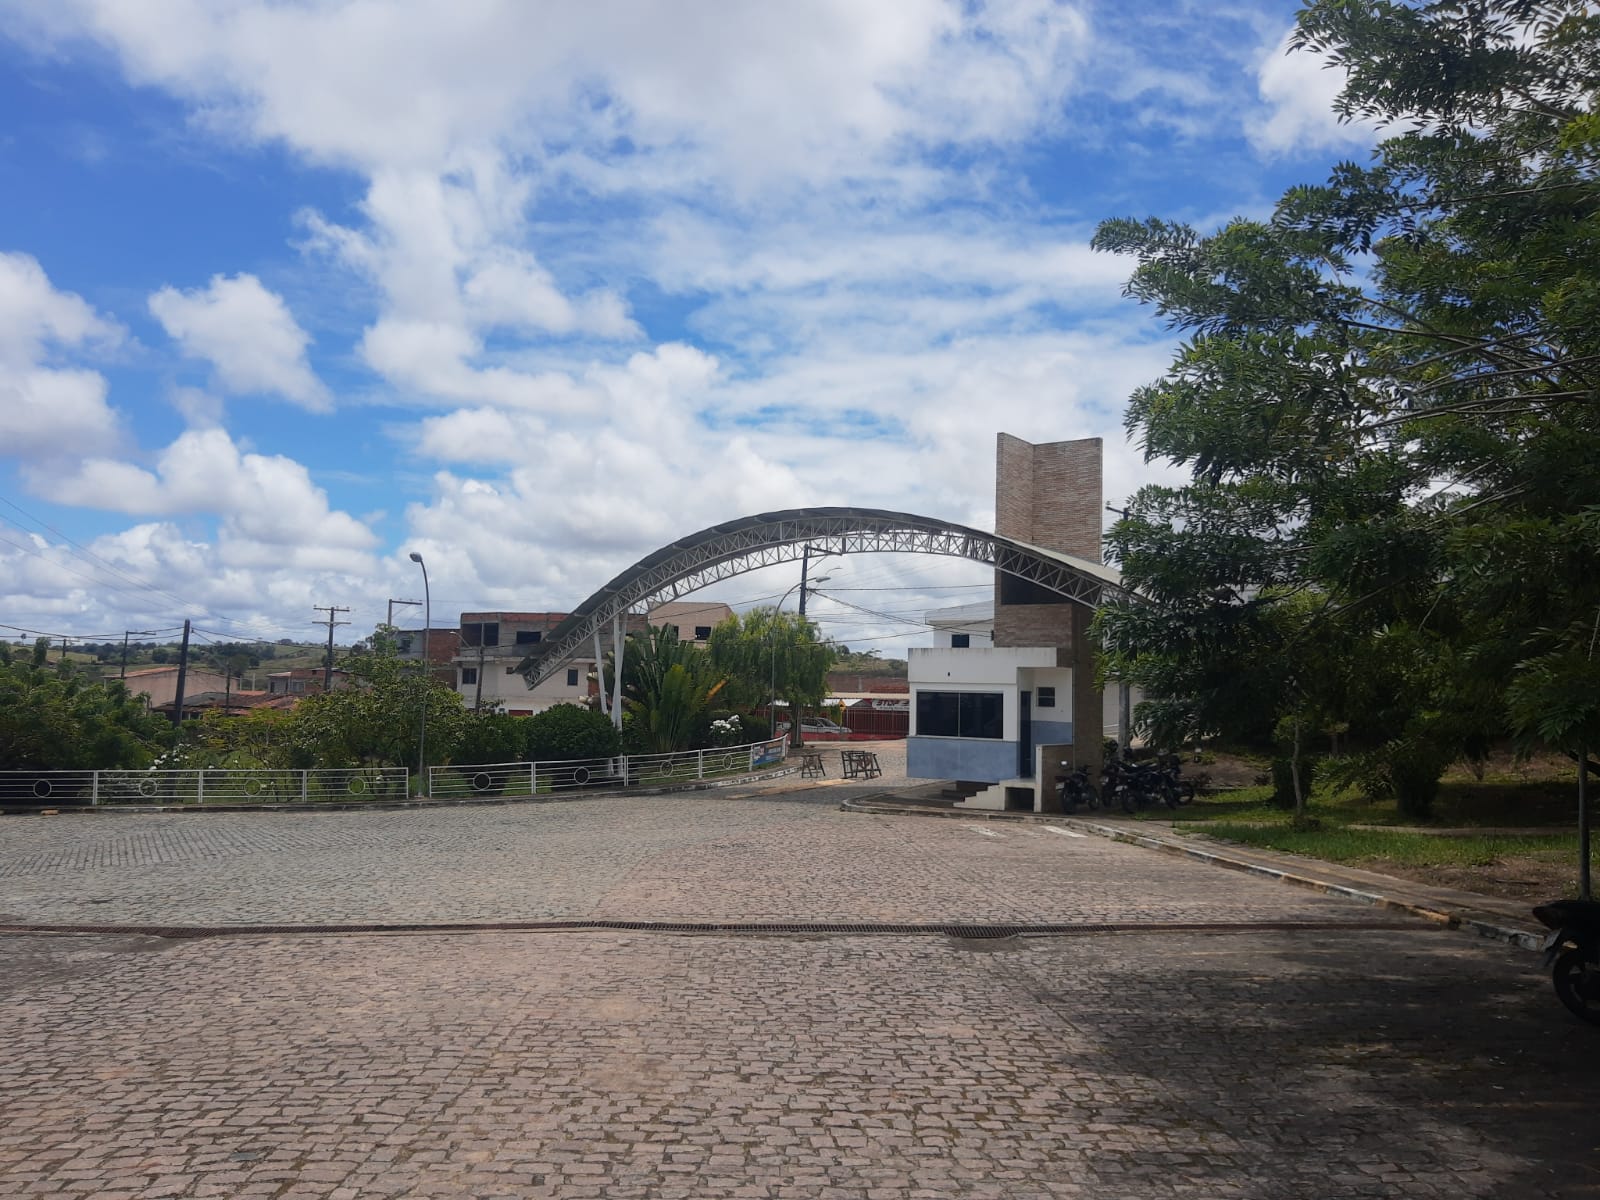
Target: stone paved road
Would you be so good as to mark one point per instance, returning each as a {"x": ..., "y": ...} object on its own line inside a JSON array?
[
  {"x": 752, "y": 856},
  {"x": 1349, "y": 1062}
]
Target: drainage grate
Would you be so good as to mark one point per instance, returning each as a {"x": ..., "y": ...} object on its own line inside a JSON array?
[{"x": 726, "y": 928}]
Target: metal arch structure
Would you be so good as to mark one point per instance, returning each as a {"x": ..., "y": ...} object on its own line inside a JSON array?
[{"x": 766, "y": 539}]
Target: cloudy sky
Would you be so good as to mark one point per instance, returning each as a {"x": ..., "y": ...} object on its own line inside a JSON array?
[{"x": 291, "y": 289}]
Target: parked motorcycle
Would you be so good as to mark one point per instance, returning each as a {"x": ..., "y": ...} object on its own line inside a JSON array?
[
  {"x": 1074, "y": 790},
  {"x": 1572, "y": 953}
]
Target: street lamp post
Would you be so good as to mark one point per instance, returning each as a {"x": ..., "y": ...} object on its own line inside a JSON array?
[
  {"x": 427, "y": 629},
  {"x": 772, "y": 642}
]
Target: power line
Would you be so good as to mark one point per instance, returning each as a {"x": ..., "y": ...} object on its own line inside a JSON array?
[{"x": 115, "y": 570}]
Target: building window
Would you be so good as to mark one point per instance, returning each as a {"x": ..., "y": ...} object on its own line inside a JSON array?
[
  {"x": 961, "y": 714},
  {"x": 960, "y": 641},
  {"x": 527, "y": 637},
  {"x": 491, "y": 634},
  {"x": 702, "y": 632},
  {"x": 1046, "y": 698},
  {"x": 511, "y": 670},
  {"x": 572, "y": 676},
  {"x": 469, "y": 675}
]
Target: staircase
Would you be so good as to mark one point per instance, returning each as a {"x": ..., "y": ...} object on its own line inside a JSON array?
[{"x": 993, "y": 797}]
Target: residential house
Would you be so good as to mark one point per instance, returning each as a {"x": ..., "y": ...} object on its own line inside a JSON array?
[
  {"x": 159, "y": 685},
  {"x": 693, "y": 619},
  {"x": 303, "y": 681},
  {"x": 490, "y": 647}
]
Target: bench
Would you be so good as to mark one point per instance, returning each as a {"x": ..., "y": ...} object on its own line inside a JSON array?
[{"x": 859, "y": 764}]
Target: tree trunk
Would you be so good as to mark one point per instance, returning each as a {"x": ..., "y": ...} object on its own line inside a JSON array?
[{"x": 1294, "y": 773}]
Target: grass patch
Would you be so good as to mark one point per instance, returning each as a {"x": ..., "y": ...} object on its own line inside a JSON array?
[
  {"x": 1505, "y": 802},
  {"x": 1346, "y": 845}
]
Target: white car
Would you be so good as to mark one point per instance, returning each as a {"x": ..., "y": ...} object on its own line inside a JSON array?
[{"x": 815, "y": 727}]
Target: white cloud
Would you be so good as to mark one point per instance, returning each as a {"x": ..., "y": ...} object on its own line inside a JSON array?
[
  {"x": 759, "y": 88},
  {"x": 1299, "y": 90},
  {"x": 268, "y": 507},
  {"x": 48, "y": 410},
  {"x": 248, "y": 335},
  {"x": 55, "y": 585}
]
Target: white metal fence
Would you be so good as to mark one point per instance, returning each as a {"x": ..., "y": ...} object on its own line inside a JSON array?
[
  {"x": 327, "y": 786},
  {"x": 623, "y": 770},
  {"x": 211, "y": 786}
]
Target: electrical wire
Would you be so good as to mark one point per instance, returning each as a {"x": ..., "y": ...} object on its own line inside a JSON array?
[{"x": 84, "y": 551}]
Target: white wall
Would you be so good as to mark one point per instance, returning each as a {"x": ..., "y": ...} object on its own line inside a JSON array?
[
  {"x": 977, "y": 664},
  {"x": 510, "y": 691}
]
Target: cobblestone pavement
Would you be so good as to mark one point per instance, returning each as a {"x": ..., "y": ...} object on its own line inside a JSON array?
[
  {"x": 757, "y": 855},
  {"x": 1342, "y": 1062}
]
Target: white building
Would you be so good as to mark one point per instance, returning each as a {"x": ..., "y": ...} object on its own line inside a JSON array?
[{"x": 964, "y": 627}]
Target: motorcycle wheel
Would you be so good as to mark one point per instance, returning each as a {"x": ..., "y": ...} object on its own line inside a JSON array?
[
  {"x": 1091, "y": 798},
  {"x": 1185, "y": 792},
  {"x": 1576, "y": 976},
  {"x": 1130, "y": 801}
]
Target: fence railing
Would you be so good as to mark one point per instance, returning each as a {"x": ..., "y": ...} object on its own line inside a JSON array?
[
  {"x": 623, "y": 770},
  {"x": 210, "y": 786},
  {"x": 345, "y": 785}
]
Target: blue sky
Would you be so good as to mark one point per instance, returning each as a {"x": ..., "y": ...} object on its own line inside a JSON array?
[{"x": 288, "y": 291}]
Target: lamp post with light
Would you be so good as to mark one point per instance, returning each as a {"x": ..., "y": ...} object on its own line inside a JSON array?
[{"x": 427, "y": 629}]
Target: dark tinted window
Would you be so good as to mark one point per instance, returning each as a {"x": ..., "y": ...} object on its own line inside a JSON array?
[
  {"x": 1046, "y": 698},
  {"x": 961, "y": 714},
  {"x": 960, "y": 641},
  {"x": 981, "y": 714},
  {"x": 528, "y": 636}
]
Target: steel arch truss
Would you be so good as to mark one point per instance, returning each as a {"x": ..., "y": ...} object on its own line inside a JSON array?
[{"x": 737, "y": 547}]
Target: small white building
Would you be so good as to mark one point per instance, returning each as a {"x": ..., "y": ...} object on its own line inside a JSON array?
[{"x": 1003, "y": 717}]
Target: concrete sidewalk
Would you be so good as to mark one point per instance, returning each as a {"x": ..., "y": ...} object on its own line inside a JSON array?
[{"x": 1488, "y": 916}]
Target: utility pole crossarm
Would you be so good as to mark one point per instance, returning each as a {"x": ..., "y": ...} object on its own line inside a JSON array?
[{"x": 331, "y": 622}]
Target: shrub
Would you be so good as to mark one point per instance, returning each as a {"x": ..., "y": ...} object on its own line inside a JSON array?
[
  {"x": 491, "y": 737},
  {"x": 1283, "y": 781},
  {"x": 568, "y": 731}
]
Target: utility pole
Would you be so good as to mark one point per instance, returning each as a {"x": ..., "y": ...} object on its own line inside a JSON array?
[
  {"x": 327, "y": 663},
  {"x": 183, "y": 672},
  {"x": 123, "y": 673},
  {"x": 805, "y": 566},
  {"x": 393, "y": 602}
]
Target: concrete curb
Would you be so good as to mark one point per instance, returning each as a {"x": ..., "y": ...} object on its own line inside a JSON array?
[{"x": 1237, "y": 860}]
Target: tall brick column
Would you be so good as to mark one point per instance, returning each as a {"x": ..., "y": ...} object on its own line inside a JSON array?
[{"x": 1050, "y": 495}]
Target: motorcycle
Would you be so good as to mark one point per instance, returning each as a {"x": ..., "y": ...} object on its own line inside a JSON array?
[
  {"x": 1572, "y": 954},
  {"x": 1074, "y": 789}
]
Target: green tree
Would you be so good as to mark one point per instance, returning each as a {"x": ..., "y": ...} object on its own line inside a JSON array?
[
  {"x": 1387, "y": 395},
  {"x": 377, "y": 721},
  {"x": 55, "y": 718},
  {"x": 667, "y": 689},
  {"x": 767, "y": 654}
]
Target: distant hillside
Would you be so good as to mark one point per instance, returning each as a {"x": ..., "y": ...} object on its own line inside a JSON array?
[{"x": 868, "y": 663}]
